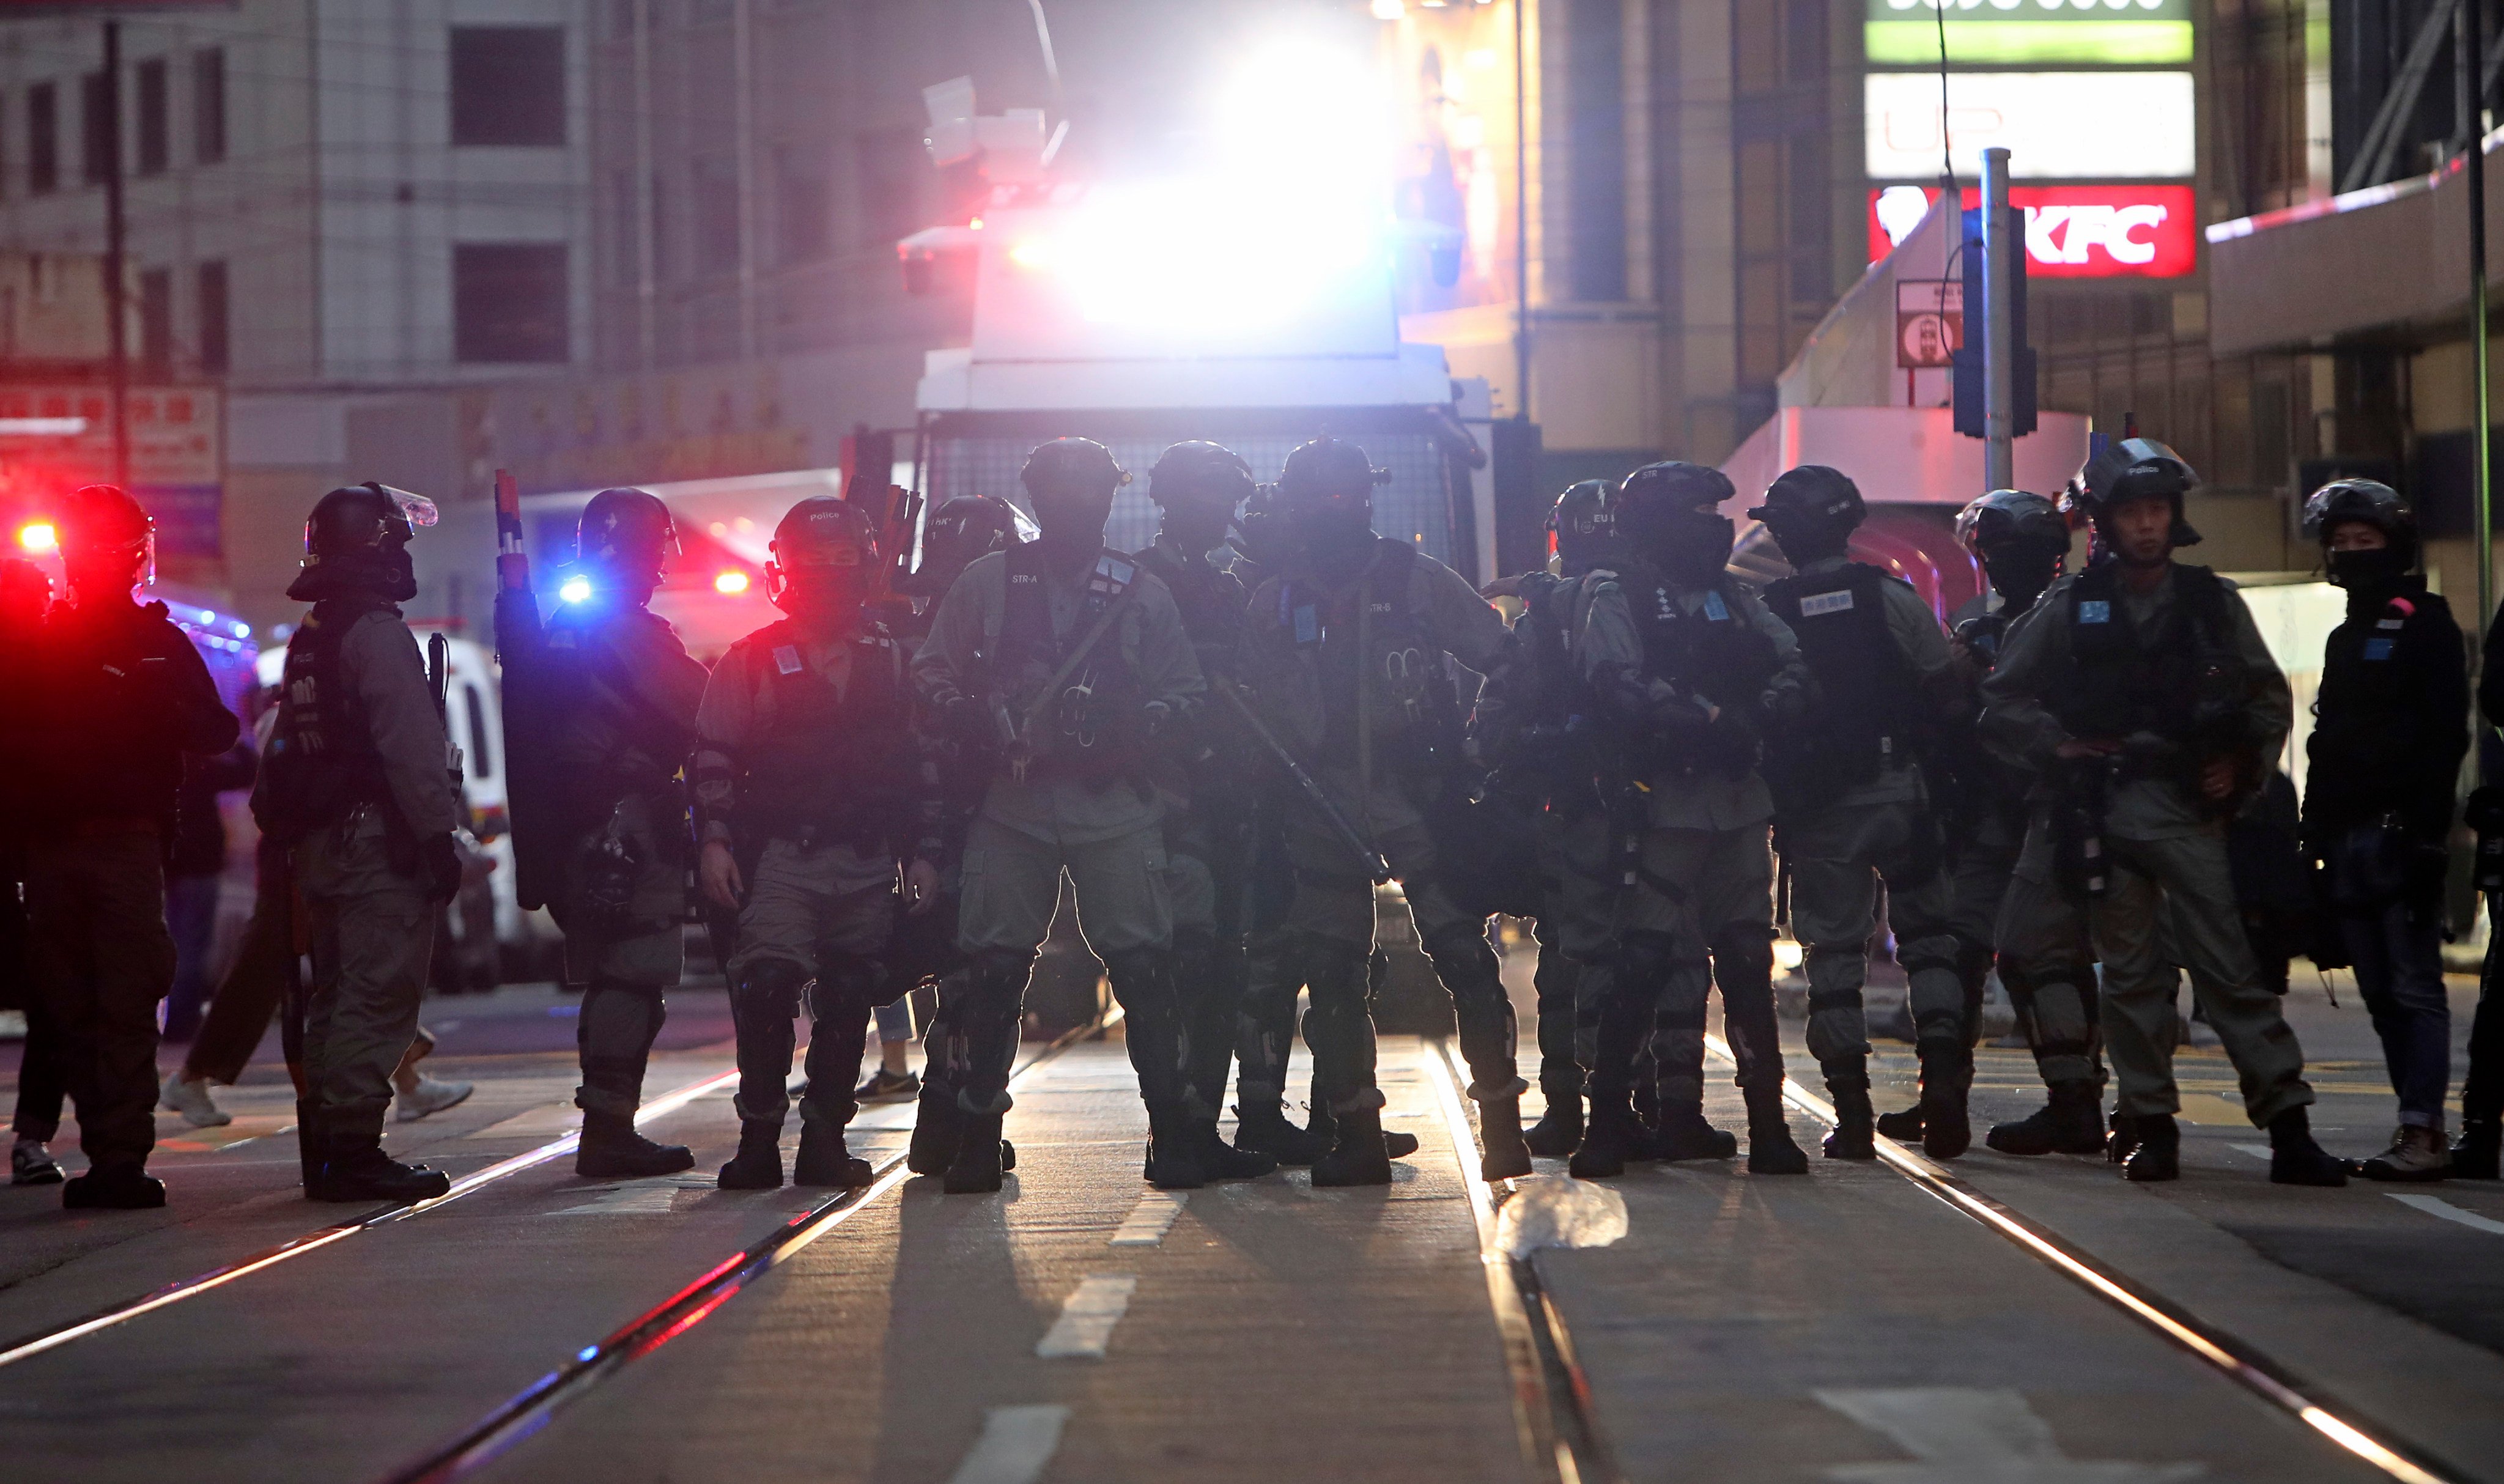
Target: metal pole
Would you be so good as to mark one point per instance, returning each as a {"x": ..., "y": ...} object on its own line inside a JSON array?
[
  {"x": 1520, "y": 211},
  {"x": 116, "y": 305},
  {"x": 2000, "y": 329},
  {"x": 2468, "y": 47}
]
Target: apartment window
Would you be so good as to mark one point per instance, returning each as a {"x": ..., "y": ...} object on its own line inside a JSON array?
[
  {"x": 1596, "y": 124},
  {"x": 716, "y": 187},
  {"x": 509, "y": 302},
  {"x": 157, "y": 321},
  {"x": 803, "y": 205},
  {"x": 215, "y": 356},
  {"x": 209, "y": 105},
  {"x": 508, "y": 84},
  {"x": 42, "y": 138},
  {"x": 98, "y": 138},
  {"x": 155, "y": 149}
]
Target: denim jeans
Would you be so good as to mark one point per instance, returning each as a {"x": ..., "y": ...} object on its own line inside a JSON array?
[{"x": 2398, "y": 954}]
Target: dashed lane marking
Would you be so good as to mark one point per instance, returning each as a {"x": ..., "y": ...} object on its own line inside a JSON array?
[
  {"x": 2436, "y": 1205},
  {"x": 1150, "y": 1219},
  {"x": 1087, "y": 1318},
  {"x": 1016, "y": 1444},
  {"x": 1960, "y": 1434}
]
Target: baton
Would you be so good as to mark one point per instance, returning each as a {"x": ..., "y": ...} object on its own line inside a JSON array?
[{"x": 1375, "y": 865}]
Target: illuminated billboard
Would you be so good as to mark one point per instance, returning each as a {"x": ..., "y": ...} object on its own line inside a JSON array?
[
  {"x": 2072, "y": 231},
  {"x": 2056, "y": 125},
  {"x": 2122, "y": 33}
]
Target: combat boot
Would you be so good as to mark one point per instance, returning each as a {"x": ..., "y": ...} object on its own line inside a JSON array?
[
  {"x": 2071, "y": 1122},
  {"x": 1947, "y": 1069},
  {"x": 2123, "y": 1141},
  {"x": 1559, "y": 1129},
  {"x": 612, "y": 1150},
  {"x": 1222, "y": 1160},
  {"x": 1358, "y": 1158},
  {"x": 758, "y": 1164},
  {"x": 364, "y": 1173},
  {"x": 2156, "y": 1153},
  {"x": 934, "y": 1131},
  {"x": 116, "y": 1187},
  {"x": 2295, "y": 1159},
  {"x": 1771, "y": 1151},
  {"x": 824, "y": 1160},
  {"x": 1506, "y": 1156},
  {"x": 1855, "y": 1133},
  {"x": 2475, "y": 1156},
  {"x": 1264, "y": 1131},
  {"x": 1174, "y": 1158},
  {"x": 1684, "y": 1134},
  {"x": 1904, "y": 1126},
  {"x": 1609, "y": 1142},
  {"x": 976, "y": 1168}
]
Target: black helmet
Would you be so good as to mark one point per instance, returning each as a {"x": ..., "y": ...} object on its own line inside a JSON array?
[
  {"x": 2020, "y": 537},
  {"x": 825, "y": 549},
  {"x": 956, "y": 533},
  {"x": 1667, "y": 511},
  {"x": 357, "y": 540},
  {"x": 2368, "y": 503},
  {"x": 1329, "y": 477},
  {"x": 1197, "y": 472},
  {"x": 628, "y": 535},
  {"x": 1812, "y": 511},
  {"x": 103, "y": 529},
  {"x": 1581, "y": 525},
  {"x": 2135, "y": 468},
  {"x": 1071, "y": 483}
]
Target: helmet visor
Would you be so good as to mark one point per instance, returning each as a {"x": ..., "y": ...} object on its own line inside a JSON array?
[{"x": 416, "y": 510}]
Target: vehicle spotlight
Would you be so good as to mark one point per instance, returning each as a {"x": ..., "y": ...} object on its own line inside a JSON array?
[
  {"x": 731, "y": 582},
  {"x": 574, "y": 589},
  {"x": 39, "y": 537}
]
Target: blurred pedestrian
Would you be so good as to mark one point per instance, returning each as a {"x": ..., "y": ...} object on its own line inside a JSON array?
[
  {"x": 194, "y": 868},
  {"x": 25, "y": 593}
]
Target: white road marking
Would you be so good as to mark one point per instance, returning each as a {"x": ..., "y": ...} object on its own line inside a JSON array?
[
  {"x": 1017, "y": 1442},
  {"x": 1966, "y": 1435},
  {"x": 1150, "y": 1219},
  {"x": 2434, "y": 1205},
  {"x": 1087, "y": 1318},
  {"x": 2257, "y": 1150},
  {"x": 1553, "y": 1211}
]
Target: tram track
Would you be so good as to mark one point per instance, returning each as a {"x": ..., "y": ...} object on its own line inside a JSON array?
[
  {"x": 27, "y": 1347},
  {"x": 2239, "y": 1362},
  {"x": 527, "y": 1411}
]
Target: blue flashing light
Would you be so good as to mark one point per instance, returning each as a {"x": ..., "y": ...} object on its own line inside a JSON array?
[{"x": 574, "y": 589}]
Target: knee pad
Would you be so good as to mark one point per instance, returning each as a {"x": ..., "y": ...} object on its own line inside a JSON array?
[
  {"x": 1744, "y": 957},
  {"x": 770, "y": 987},
  {"x": 1922, "y": 954},
  {"x": 1464, "y": 962},
  {"x": 2062, "y": 1013},
  {"x": 1642, "y": 963},
  {"x": 844, "y": 984},
  {"x": 1133, "y": 970}
]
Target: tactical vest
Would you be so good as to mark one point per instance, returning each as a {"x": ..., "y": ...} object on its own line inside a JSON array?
[
  {"x": 1713, "y": 652},
  {"x": 1859, "y": 720},
  {"x": 1093, "y": 730},
  {"x": 1211, "y": 601},
  {"x": 2383, "y": 737},
  {"x": 2185, "y": 679},
  {"x": 1413, "y": 689},
  {"x": 829, "y": 767},
  {"x": 322, "y": 761},
  {"x": 607, "y": 738}
]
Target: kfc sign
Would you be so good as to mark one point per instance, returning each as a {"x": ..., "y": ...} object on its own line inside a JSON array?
[{"x": 2072, "y": 231}]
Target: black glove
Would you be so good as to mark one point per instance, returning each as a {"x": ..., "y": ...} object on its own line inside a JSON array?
[
  {"x": 962, "y": 717},
  {"x": 438, "y": 861},
  {"x": 1153, "y": 720},
  {"x": 1736, "y": 736},
  {"x": 2429, "y": 865}
]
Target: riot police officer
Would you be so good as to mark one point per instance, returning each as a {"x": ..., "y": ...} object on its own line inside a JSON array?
[
  {"x": 2390, "y": 728},
  {"x": 117, "y": 698},
  {"x": 1348, "y": 650},
  {"x": 611, "y": 696},
  {"x": 1852, "y": 809},
  {"x": 356, "y": 785},
  {"x": 813, "y": 791},
  {"x": 1067, "y": 660},
  {"x": 1210, "y": 803},
  {"x": 1686, "y": 671},
  {"x": 2007, "y": 916},
  {"x": 2147, "y": 676}
]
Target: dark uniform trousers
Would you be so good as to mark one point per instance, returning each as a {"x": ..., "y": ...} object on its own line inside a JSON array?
[
  {"x": 102, "y": 958},
  {"x": 1208, "y": 867},
  {"x": 626, "y": 970},
  {"x": 1274, "y": 972},
  {"x": 810, "y": 939},
  {"x": 373, "y": 933}
]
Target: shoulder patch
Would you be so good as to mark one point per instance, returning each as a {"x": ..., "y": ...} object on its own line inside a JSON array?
[
  {"x": 2093, "y": 611},
  {"x": 787, "y": 659},
  {"x": 2379, "y": 648},
  {"x": 1822, "y": 602},
  {"x": 1718, "y": 611}
]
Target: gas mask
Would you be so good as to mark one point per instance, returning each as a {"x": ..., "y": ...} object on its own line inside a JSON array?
[
  {"x": 2372, "y": 569},
  {"x": 1693, "y": 547}
]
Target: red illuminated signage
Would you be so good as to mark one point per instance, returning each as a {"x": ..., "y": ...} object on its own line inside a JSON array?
[{"x": 2073, "y": 232}]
